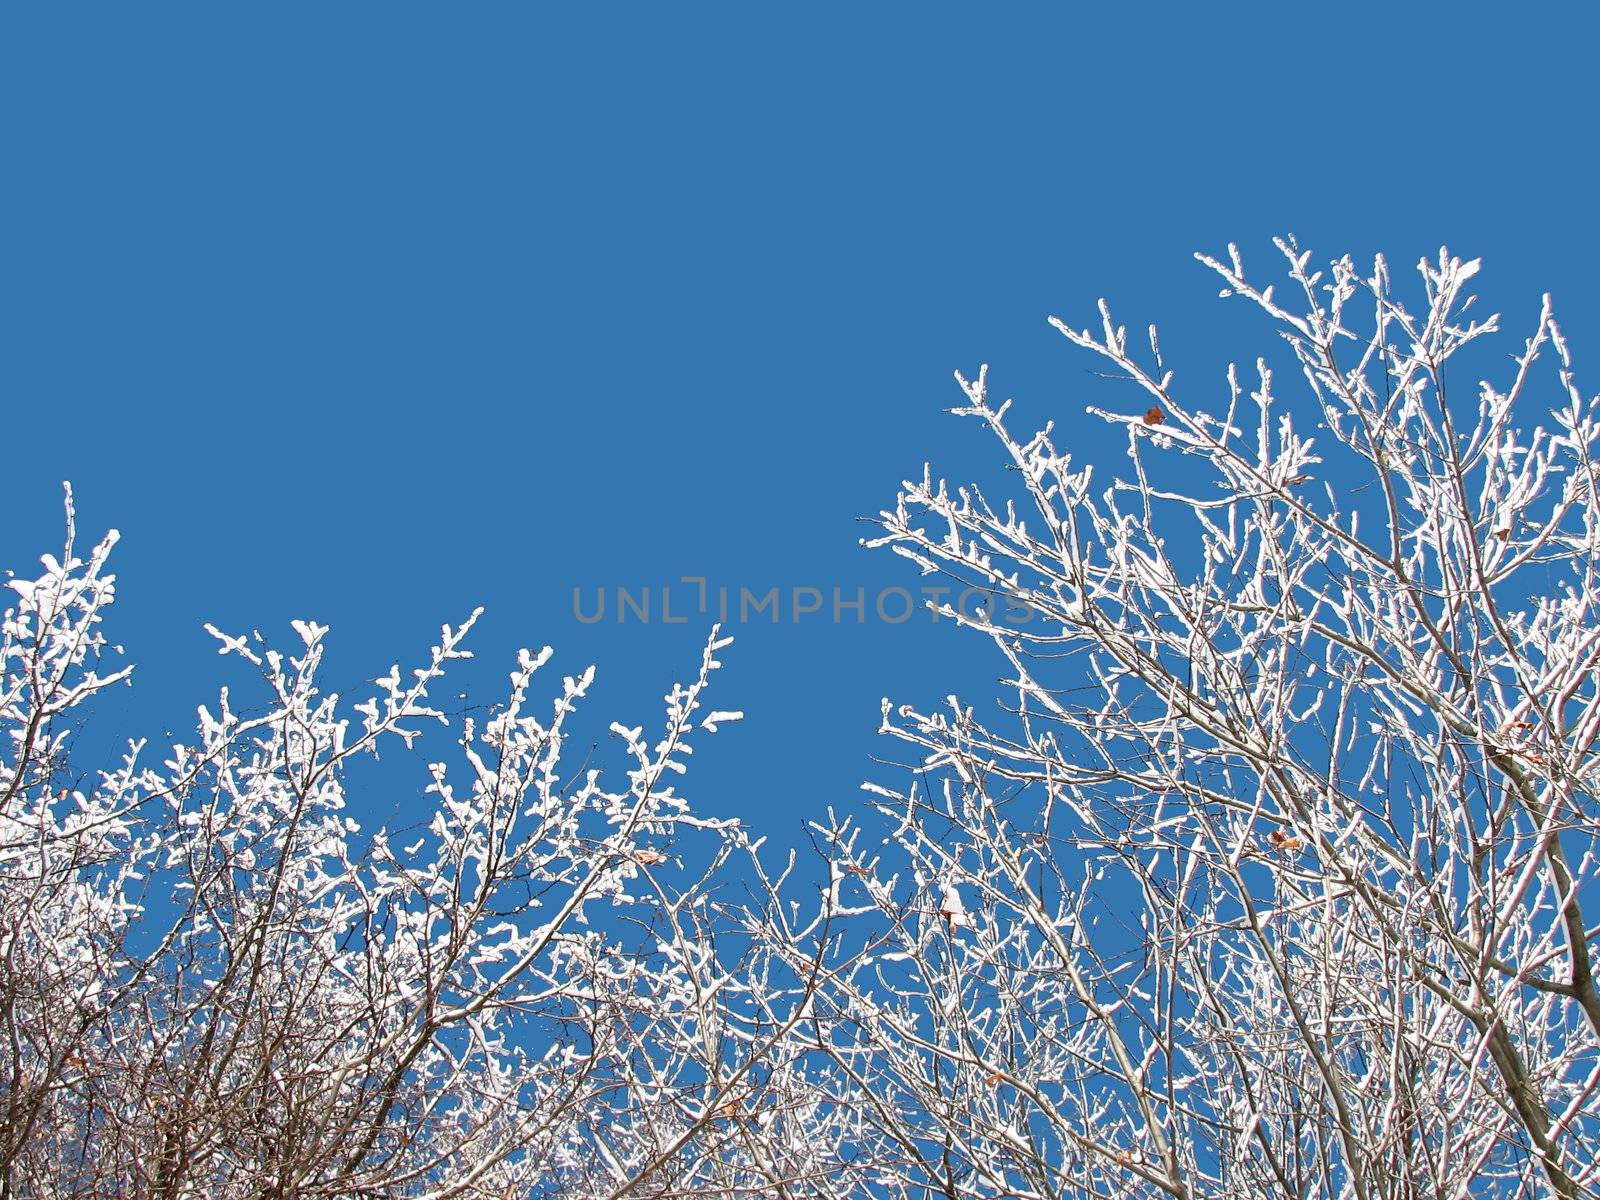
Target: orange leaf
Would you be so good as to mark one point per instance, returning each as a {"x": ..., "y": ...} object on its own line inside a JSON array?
[{"x": 1154, "y": 417}]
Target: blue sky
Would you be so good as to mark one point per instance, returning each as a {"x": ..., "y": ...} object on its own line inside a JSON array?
[{"x": 375, "y": 314}]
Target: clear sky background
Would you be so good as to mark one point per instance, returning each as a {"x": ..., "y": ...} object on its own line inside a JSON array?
[{"x": 373, "y": 314}]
